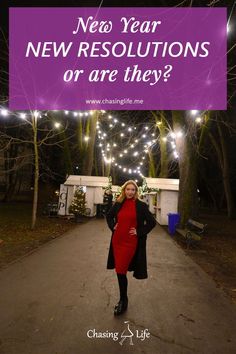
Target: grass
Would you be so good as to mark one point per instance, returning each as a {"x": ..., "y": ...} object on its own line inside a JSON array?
[
  {"x": 216, "y": 253},
  {"x": 16, "y": 234}
]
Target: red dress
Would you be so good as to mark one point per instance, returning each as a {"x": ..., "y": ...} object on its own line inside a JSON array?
[{"x": 124, "y": 244}]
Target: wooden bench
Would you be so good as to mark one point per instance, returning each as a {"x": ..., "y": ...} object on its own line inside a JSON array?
[{"x": 193, "y": 232}]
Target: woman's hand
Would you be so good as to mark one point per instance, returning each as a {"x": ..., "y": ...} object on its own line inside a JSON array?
[{"x": 133, "y": 231}]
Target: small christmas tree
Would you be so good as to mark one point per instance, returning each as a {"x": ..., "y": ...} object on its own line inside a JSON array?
[
  {"x": 78, "y": 205},
  {"x": 109, "y": 186},
  {"x": 144, "y": 188}
]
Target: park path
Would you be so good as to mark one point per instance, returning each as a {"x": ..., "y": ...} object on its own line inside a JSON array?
[{"x": 52, "y": 297}]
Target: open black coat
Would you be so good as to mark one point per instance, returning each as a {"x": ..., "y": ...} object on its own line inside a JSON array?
[{"x": 145, "y": 223}]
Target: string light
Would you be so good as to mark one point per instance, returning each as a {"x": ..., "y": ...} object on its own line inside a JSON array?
[
  {"x": 179, "y": 134},
  {"x": 22, "y": 115},
  {"x": 57, "y": 125},
  {"x": 102, "y": 136},
  {"x": 4, "y": 112},
  {"x": 198, "y": 120},
  {"x": 193, "y": 112},
  {"x": 176, "y": 154}
]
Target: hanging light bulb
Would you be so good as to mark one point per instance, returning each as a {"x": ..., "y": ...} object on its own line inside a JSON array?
[
  {"x": 4, "y": 112},
  {"x": 198, "y": 120},
  {"x": 57, "y": 125},
  {"x": 179, "y": 134},
  {"x": 22, "y": 115}
]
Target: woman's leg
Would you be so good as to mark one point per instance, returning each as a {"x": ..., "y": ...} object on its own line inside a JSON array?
[{"x": 123, "y": 285}]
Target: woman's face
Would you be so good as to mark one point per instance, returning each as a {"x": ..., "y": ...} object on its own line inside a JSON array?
[{"x": 130, "y": 191}]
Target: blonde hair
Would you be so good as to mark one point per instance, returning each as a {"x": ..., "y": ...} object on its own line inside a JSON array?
[{"x": 122, "y": 194}]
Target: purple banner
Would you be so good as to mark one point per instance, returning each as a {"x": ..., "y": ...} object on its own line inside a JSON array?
[{"x": 118, "y": 58}]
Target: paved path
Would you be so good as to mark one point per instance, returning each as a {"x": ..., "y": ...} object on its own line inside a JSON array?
[{"x": 52, "y": 297}]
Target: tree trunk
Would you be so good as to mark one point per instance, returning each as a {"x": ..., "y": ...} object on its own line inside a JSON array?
[
  {"x": 162, "y": 126},
  {"x": 88, "y": 161},
  {"x": 222, "y": 155},
  {"x": 36, "y": 172},
  {"x": 188, "y": 197},
  {"x": 152, "y": 171}
]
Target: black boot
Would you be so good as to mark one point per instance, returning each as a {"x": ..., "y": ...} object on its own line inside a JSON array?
[{"x": 122, "y": 305}]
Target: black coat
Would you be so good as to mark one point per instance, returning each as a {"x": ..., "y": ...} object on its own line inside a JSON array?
[{"x": 145, "y": 223}]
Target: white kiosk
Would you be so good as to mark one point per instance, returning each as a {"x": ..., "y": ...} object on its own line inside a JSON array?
[
  {"x": 166, "y": 198},
  {"x": 92, "y": 186}
]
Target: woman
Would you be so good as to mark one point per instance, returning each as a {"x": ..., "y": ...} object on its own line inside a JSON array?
[{"x": 130, "y": 221}]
